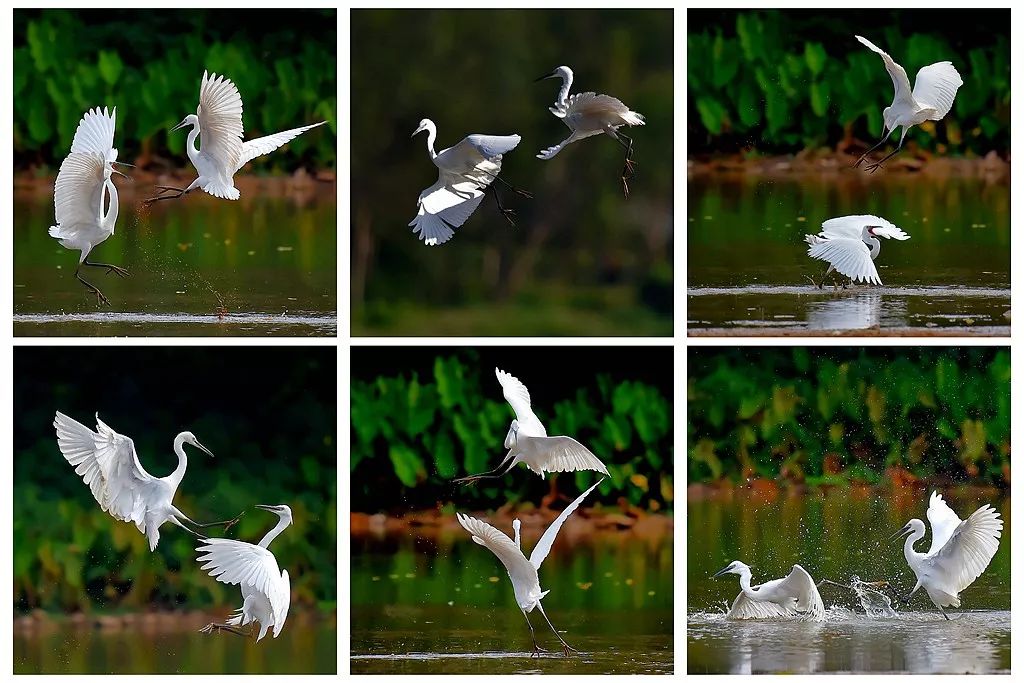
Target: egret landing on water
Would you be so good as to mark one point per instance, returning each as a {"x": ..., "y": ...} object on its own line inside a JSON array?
[
  {"x": 843, "y": 243},
  {"x": 80, "y": 195},
  {"x": 959, "y": 553},
  {"x": 521, "y": 571},
  {"x": 930, "y": 100},
  {"x": 218, "y": 125},
  {"x": 266, "y": 590},
  {"x": 794, "y": 596},
  {"x": 464, "y": 174},
  {"x": 528, "y": 442},
  {"x": 108, "y": 463},
  {"x": 588, "y": 114}
]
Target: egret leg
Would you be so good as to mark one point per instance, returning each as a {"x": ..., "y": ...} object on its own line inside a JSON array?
[
  {"x": 509, "y": 214},
  {"x": 111, "y": 268},
  {"x": 537, "y": 649},
  {"x": 227, "y": 523},
  {"x": 629, "y": 166},
  {"x": 512, "y": 187},
  {"x": 565, "y": 646},
  {"x": 163, "y": 194},
  {"x": 487, "y": 475},
  {"x": 944, "y": 613},
  {"x": 885, "y": 136},
  {"x": 878, "y": 164},
  {"x": 100, "y": 298},
  {"x": 212, "y": 626}
]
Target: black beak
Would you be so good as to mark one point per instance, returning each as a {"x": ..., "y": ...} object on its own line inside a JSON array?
[
  {"x": 545, "y": 76},
  {"x": 901, "y": 532},
  {"x": 720, "y": 572}
]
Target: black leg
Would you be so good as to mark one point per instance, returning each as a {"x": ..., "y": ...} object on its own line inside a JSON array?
[
  {"x": 509, "y": 214},
  {"x": 944, "y": 614},
  {"x": 565, "y": 646},
  {"x": 211, "y": 627},
  {"x": 878, "y": 164},
  {"x": 885, "y": 136},
  {"x": 163, "y": 194},
  {"x": 100, "y": 298},
  {"x": 629, "y": 166},
  {"x": 111, "y": 268},
  {"x": 513, "y": 187}
]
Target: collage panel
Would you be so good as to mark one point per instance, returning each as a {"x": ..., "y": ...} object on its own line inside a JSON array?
[
  {"x": 177, "y": 518},
  {"x": 465, "y": 459},
  {"x": 848, "y": 510}
]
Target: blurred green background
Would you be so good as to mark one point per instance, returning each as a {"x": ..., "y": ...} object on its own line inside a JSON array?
[
  {"x": 837, "y": 415},
  {"x": 149, "y": 63},
  {"x": 781, "y": 81},
  {"x": 581, "y": 260}
]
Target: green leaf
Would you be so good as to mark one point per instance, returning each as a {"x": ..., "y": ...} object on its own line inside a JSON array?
[
  {"x": 815, "y": 56},
  {"x": 110, "y": 66},
  {"x": 408, "y": 465},
  {"x": 712, "y": 114}
]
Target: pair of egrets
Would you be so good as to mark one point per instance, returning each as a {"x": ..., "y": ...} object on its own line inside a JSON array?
[
  {"x": 528, "y": 442},
  {"x": 109, "y": 465},
  {"x": 85, "y": 199},
  {"x": 466, "y": 171},
  {"x": 959, "y": 553}
]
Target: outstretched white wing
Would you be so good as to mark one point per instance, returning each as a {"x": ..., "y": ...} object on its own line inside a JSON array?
[
  {"x": 518, "y": 397},
  {"x": 442, "y": 208},
  {"x": 78, "y": 195},
  {"x": 520, "y": 570},
  {"x": 95, "y": 134},
  {"x": 543, "y": 547},
  {"x": 967, "y": 553},
  {"x": 489, "y": 146},
  {"x": 848, "y": 256},
  {"x": 240, "y": 563},
  {"x": 220, "y": 122},
  {"x": 936, "y": 86},
  {"x": 853, "y": 226},
  {"x": 745, "y": 608},
  {"x": 899, "y": 77},
  {"x": 942, "y": 520},
  {"x": 889, "y": 231},
  {"x": 267, "y": 144},
  {"x": 559, "y": 454},
  {"x": 800, "y": 586}
]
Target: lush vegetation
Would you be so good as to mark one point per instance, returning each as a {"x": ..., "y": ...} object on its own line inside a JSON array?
[
  {"x": 149, "y": 63},
  {"x": 823, "y": 415},
  {"x": 268, "y": 415},
  {"x": 785, "y": 80},
  {"x": 411, "y": 435}
]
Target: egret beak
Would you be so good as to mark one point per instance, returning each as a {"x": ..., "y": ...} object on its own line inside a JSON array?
[
  {"x": 902, "y": 532},
  {"x": 123, "y": 163},
  {"x": 417, "y": 131},
  {"x": 203, "y": 448},
  {"x": 114, "y": 170},
  {"x": 184, "y": 122},
  {"x": 553, "y": 74},
  {"x": 268, "y": 508},
  {"x": 720, "y": 572}
]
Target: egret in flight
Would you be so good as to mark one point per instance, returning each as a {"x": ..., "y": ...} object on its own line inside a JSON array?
[
  {"x": 796, "y": 595},
  {"x": 930, "y": 100},
  {"x": 266, "y": 591},
  {"x": 587, "y": 114},
  {"x": 218, "y": 125},
  {"x": 108, "y": 463},
  {"x": 464, "y": 174},
  {"x": 521, "y": 571},
  {"x": 528, "y": 442},
  {"x": 959, "y": 553},
  {"x": 84, "y": 185},
  {"x": 843, "y": 243}
]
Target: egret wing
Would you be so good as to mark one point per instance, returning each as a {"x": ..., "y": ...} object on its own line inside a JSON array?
[
  {"x": 899, "y": 77},
  {"x": 518, "y": 397},
  {"x": 240, "y": 563},
  {"x": 848, "y": 256},
  {"x": 561, "y": 454},
  {"x": 520, "y": 570},
  {"x": 936, "y": 86},
  {"x": 745, "y": 608},
  {"x": 78, "y": 195},
  {"x": 853, "y": 226},
  {"x": 126, "y": 490},
  {"x": 543, "y": 547},
  {"x": 95, "y": 134},
  {"x": 799, "y": 585},
  {"x": 593, "y": 104},
  {"x": 889, "y": 231},
  {"x": 967, "y": 552},
  {"x": 220, "y": 122},
  {"x": 489, "y": 146},
  {"x": 77, "y": 444},
  {"x": 259, "y": 146},
  {"x": 443, "y": 207},
  {"x": 942, "y": 520}
]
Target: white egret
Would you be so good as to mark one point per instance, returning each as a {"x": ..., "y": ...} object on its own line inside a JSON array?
[
  {"x": 528, "y": 442},
  {"x": 523, "y": 572},
  {"x": 84, "y": 218},
  {"x": 930, "y": 100},
  {"x": 464, "y": 174},
  {"x": 266, "y": 591},
  {"x": 108, "y": 463},
  {"x": 222, "y": 153},
  {"x": 796, "y": 595},
  {"x": 587, "y": 114},
  {"x": 959, "y": 553},
  {"x": 843, "y": 243}
]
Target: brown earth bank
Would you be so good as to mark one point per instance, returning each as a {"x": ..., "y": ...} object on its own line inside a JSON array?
[
  {"x": 150, "y": 622},
  {"x": 898, "y": 483}
]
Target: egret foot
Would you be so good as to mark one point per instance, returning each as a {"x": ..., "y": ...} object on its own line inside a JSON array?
[
  {"x": 566, "y": 648},
  {"x": 537, "y": 649},
  {"x": 100, "y": 298},
  {"x": 873, "y": 167},
  {"x": 162, "y": 194},
  {"x": 944, "y": 614},
  {"x": 211, "y": 627},
  {"x": 509, "y": 214}
]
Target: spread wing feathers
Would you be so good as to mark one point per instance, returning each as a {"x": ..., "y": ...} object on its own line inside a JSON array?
[
  {"x": 552, "y": 151},
  {"x": 78, "y": 194},
  {"x": 852, "y": 226},
  {"x": 240, "y": 563},
  {"x": 259, "y": 146},
  {"x": 592, "y": 105},
  {"x": 942, "y": 520},
  {"x": 220, "y": 121},
  {"x": 561, "y": 454},
  {"x": 899, "y": 77},
  {"x": 443, "y": 207},
  {"x": 96, "y": 134},
  {"x": 849, "y": 256},
  {"x": 745, "y": 608},
  {"x": 488, "y": 146},
  {"x": 543, "y": 547},
  {"x": 77, "y": 444},
  {"x": 801, "y": 586},
  {"x": 889, "y": 231},
  {"x": 518, "y": 397},
  {"x": 520, "y": 570},
  {"x": 936, "y": 86},
  {"x": 968, "y": 551}
]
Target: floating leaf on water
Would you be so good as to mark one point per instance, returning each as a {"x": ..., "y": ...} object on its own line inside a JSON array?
[
  {"x": 206, "y": 235},
  {"x": 493, "y": 579},
  {"x": 410, "y": 576},
  {"x": 801, "y": 219},
  {"x": 393, "y": 577},
  {"x": 180, "y": 292},
  {"x": 227, "y": 242},
  {"x": 251, "y": 252},
  {"x": 629, "y": 582},
  {"x": 451, "y": 603},
  {"x": 650, "y": 593},
  {"x": 374, "y": 578},
  {"x": 584, "y": 586},
  {"x": 284, "y": 248},
  {"x": 183, "y": 246}
]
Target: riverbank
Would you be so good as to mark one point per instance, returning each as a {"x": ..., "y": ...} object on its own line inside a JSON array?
[
  {"x": 992, "y": 167},
  {"x": 39, "y": 622}
]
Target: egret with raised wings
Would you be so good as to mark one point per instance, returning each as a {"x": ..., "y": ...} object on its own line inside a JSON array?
[
  {"x": 587, "y": 114},
  {"x": 465, "y": 172},
  {"x": 960, "y": 550},
  {"x": 843, "y": 243},
  {"x": 523, "y": 572},
  {"x": 109, "y": 465},
  {"x": 796, "y": 595},
  {"x": 528, "y": 442},
  {"x": 85, "y": 217},
  {"x": 266, "y": 590},
  {"x": 222, "y": 153},
  {"x": 930, "y": 100}
]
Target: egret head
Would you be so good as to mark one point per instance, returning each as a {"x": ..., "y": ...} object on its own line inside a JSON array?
[
  {"x": 563, "y": 72},
  {"x": 282, "y": 511},
  {"x": 914, "y": 526},
  {"x": 190, "y": 438},
  {"x": 889, "y": 118},
  {"x": 190, "y": 120},
  {"x": 425, "y": 124},
  {"x": 513, "y": 434},
  {"x": 734, "y": 567}
]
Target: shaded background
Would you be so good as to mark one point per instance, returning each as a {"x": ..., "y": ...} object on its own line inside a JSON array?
[
  {"x": 268, "y": 415},
  {"x": 582, "y": 260}
]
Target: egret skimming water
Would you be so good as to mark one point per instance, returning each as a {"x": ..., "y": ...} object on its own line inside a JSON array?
[
  {"x": 108, "y": 463},
  {"x": 528, "y": 442},
  {"x": 587, "y": 114},
  {"x": 523, "y": 572},
  {"x": 796, "y": 595},
  {"x": 843, "y": 243},
  {"x": 959, "y": 553},
  {"x": 218, "y": 125}
]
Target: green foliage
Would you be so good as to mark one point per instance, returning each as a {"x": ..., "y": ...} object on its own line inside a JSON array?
[
  {"x": 149, "y": 65},
  {"x": 784, "y": 80},
  {"x": 411, "y": 437},
  {"x": 822, "y": 416}
]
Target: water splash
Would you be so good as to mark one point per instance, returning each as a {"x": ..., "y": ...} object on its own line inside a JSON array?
[{"x": 875, "y": 603}]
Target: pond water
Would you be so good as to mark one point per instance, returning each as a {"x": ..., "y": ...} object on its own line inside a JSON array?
[
  {"x": 264, "y": 265},
  {"x": 747, "y": 264},
  {"x": 445, "y": 605},
  {"x": 836, "y": 537}
]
